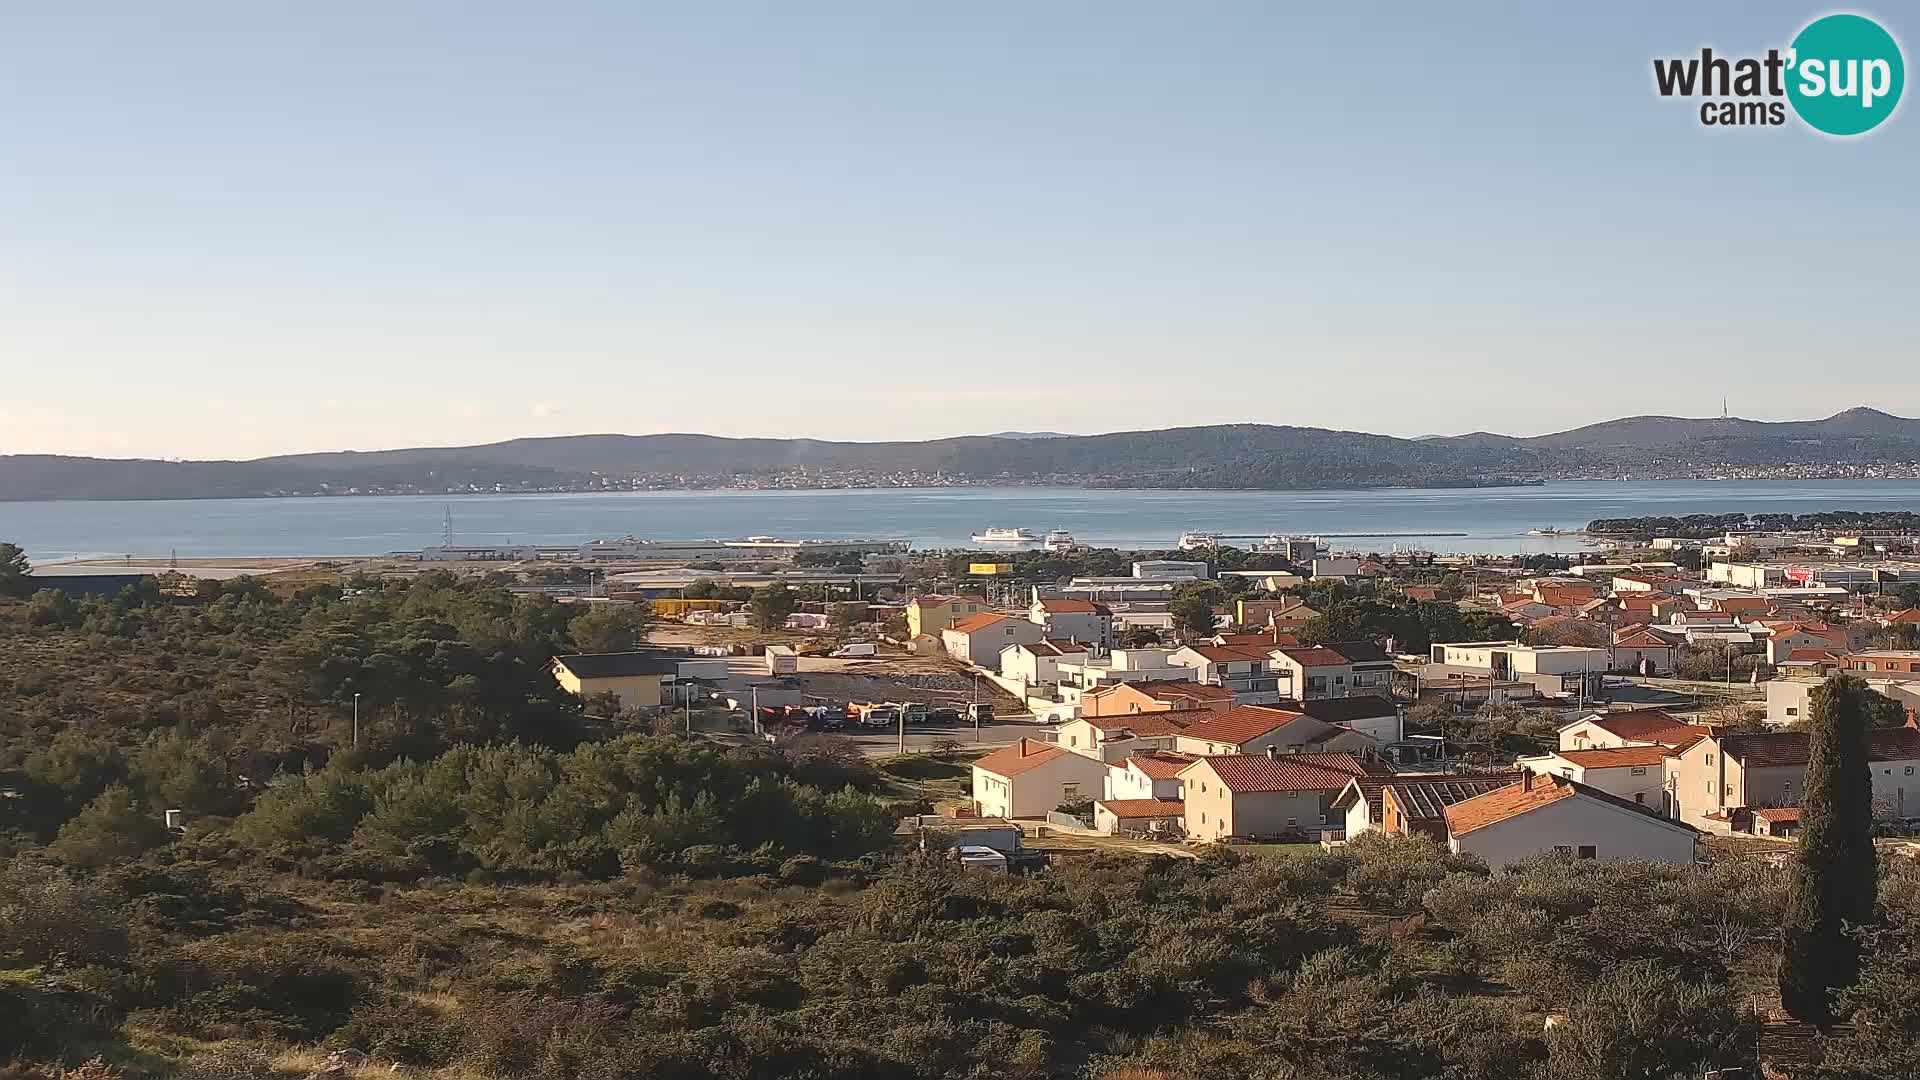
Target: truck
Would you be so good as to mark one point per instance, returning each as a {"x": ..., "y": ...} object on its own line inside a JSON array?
[
  {"x": 981, "y": 713},
  {"x": 857, "y": 649},
  {"x": 781, "y": 660}
]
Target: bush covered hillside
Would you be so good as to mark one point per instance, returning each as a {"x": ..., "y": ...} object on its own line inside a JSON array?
[{"x": 494, "y": 884}]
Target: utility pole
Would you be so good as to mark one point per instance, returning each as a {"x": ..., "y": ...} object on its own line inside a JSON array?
[
  {"x": 902, "y": 721},
  {"x": 974, "y": 708},
  {"x": 356, "y": 718}
]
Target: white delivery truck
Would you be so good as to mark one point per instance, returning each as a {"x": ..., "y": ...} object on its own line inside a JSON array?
[
  {"x": 782, "y": 660},
  {"x": 857, "y": 649}
]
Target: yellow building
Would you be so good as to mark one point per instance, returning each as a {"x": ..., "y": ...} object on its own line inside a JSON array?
[
  {"x": 935, "y": 612},
  {"x": 635, "y": 678}
]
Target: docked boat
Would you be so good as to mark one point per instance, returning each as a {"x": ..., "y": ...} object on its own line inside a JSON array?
[
  {"x": 1547, "y": 531},
  {"x": 1006, "y": 536},
  {"x": 1059, "y": 540},
  {"x": 1199, "y": 541}
]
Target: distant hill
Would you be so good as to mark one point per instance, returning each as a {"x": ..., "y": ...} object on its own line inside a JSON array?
[{"x": 1245, "y": 456}]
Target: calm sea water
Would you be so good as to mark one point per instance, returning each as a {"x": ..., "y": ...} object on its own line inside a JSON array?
[{"x": 1491, "y": 519}]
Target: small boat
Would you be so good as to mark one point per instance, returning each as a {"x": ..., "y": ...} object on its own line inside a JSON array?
[
  {"x": 1547, "y": 531},
  {"x": 1059, "y": 540},
  {"x": 1199, "y": 541},
  {"x": 1005, "y": 536}
]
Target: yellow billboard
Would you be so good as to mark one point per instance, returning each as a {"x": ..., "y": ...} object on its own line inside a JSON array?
[{"x": 991, "y": 568}]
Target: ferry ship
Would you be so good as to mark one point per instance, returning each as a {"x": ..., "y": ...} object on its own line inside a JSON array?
[
  {"x": 743, "y": 549},
  {"x": 1059, "y": 540},
  {"x": 1199, "y": 541},
  {"x": 1005, "y": 536}
]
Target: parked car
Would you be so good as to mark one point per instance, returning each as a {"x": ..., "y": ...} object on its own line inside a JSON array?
[{"x": 883, "y": 717}]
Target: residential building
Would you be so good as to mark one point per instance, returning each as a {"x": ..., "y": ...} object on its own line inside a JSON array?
[
  {"x": 1284, "y": 615},
  {"x": 1376, "y": 717},
  {"x": 1558, "y": 670},
  {"x": 1147, "y": 774},
  {"x": 1341, "y": 568},
  {"x": 1258, "y": 795},
  {"x": 1637, "y": 774},
  {"x": 1309, "y": 672},
  {"x": 1112, "y": 816},
  {"x": 635, "y": 679},
  {"x": 1029, "y": 779},
  {"x": 1114, "y": 738},
  {"x": 1037, "y": 664},
  {"x": 978, "y": 639},
  {"x": 1638, "y": 727},
  {"x": 1122, "y": 699},
  {"x": 1119, "y": 666},
  {"x": 1074, "y": 620},
  {"x": 1641, "y": 650},
  {"x": 1372, "y": 668},
  {"x": 1790, "y": 699},
  {"x": 1552, "y": 814},
  {"x": 1250, "y": 729},
  {"x": 1412, "y": 804},
  {"x": 1742, "y": 770},
  {"x": 1886, "y": 663},
  {"x": 930, "y": 614},
  {"x": 1246, "y": 672}
]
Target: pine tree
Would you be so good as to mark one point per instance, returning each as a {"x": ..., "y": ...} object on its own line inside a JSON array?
[{"x": 1834, "y": 875}]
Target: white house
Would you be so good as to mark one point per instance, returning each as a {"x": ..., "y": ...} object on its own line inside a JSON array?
[
  {"x": 1246, "y": 672},
  {"x": 1309, "y": 672},
  {"x": 1250, "y": 729},
  {"x": 1639, "y": 727},
  {"x": 1376, "y": 717},
  {"x": 1637, "y": 774},
  {"x": 1543, "y": 814},
  {"x": 1029, "y": 779},
  {"x": 978, "y": 639},
  {"x": 1253, "y": 795},
  {"x": 1113, "y": 738},
  {"x": 1147, "y": 774},
  {"x": 1038, "y": 663},
  {"x": 1073, "y": 620}
]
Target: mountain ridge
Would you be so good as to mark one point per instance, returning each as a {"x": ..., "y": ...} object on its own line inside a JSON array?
[{"x": 1235, "y": 456}]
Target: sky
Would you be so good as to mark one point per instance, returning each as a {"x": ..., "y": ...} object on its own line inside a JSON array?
[{"x": 239, "y": 229}]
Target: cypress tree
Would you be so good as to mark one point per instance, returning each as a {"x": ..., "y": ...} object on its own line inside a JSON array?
[{"x": 1834, "y": 876}]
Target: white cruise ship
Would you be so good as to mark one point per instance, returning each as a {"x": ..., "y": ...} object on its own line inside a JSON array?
[{"x": 1005, "y": 536}]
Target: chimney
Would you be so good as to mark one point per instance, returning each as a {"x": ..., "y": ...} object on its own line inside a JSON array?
[
  {"x": 1273, "y": 751},
  {"x": 1526, "y": 782}
]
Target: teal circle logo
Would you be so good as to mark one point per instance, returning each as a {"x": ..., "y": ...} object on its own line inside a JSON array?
[{"x": 1845, "y": 74}]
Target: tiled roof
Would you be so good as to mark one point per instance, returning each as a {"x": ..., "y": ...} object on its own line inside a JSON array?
[
  {"x": 1347, "y": 709},
  {"x": 1911, "y": 615},
  {"x": 619, "y": 665},
  {"x": 1252, "y": 773},
  {"x": 975, "y": 623},
  {"x": 1507, "y": 802},
  {"x": 1144, "y": 808},
  {"x": 1225, "y": 654},
  {"x": 1069, "y": 607},
  {"x": 1175, "y": 690},
  {"x": 1614, "y": 757},
  {"x": 1052, "y": 647},
  {"x": 1777, "y": 813},
  {"x": 1238, "y": 725},
  {"x": 1359, "y": 652},
  {"x": 1160, "y": 764},
  {"x": 1761, "y": 749},
  {"x": 1814, "y": 655},
  {"x": 1642, "y": 638},
  {"x": 1315, "y": 657},
  {"x": 1649, "y": 726},
  {"x": 1018, "y": 758},
  {"x": 1427, "y": 798},
  {"x": 1148, "y": 724}
]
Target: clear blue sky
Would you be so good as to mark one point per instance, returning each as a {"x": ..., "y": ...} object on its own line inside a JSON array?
[{"x": 232, "y": 229}]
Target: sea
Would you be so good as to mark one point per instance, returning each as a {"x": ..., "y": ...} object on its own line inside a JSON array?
[{"x": 1479, "y": 520}]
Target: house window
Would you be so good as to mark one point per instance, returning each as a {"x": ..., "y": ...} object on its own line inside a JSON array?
[
  {"x": 1709, "y": 787},
  {"x": 1909, "y": 770},
  {"x": 1073, "y": 740},
  {"x": 1069, "y": 792},
  {"x": 1588, "y": 851},
  {"x": 1293, "y": 823},
  {"x": 1203, "y": 817},
  {"x": 1640, "y": 797},
  {"x": 1709, "y": 760},
  {"x": 1637, "y": 770},
  {"x": 1323, "y": 819},
  {"x": 1792, "y": 711},
  {"x": 1563, "y": 849}
]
